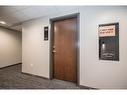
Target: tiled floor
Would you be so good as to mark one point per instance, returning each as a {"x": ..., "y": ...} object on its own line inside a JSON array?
[{"x": 12, "y": 78}]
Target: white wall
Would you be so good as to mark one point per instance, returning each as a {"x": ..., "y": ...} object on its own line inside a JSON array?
[
  {"x": 35, "y": 50},
  {"x": 93, "y": 72},
  {"x": 10, "y": 47},
  {"x": 98, "y": 73}
]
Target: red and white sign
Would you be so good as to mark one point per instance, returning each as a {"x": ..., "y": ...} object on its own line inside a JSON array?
[{"x": 105, "y": 31}]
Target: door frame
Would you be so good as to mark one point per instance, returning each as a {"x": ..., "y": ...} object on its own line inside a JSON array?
[{"x": 52, "y": 20}]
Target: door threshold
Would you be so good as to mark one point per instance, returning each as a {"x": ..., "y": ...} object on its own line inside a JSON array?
[{"x": 63, "y": 81}]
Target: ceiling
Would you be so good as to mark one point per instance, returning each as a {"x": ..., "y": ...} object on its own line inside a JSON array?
[{"x": 14, "y": 16}]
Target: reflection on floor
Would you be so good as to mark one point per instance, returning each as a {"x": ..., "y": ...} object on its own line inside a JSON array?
[{"x": 12, "y": 78}]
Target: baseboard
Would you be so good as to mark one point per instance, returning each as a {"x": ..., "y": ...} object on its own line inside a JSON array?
[
  {"x": 35, "y": 75},
  {"x": 10, "y": 65},
  {"x": 87, "y": 87}
]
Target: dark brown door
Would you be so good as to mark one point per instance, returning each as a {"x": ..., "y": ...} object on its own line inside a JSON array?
[{"x": 64, "y": 51}]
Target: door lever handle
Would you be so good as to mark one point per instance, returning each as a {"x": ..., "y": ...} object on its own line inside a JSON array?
[{"x": 54, "y": 51}]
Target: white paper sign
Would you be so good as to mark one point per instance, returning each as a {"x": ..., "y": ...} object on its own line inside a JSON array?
[{"x": 105, "y": 31}]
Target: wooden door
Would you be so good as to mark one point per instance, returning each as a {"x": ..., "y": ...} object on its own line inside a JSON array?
[{"x": 64, "y": 67}]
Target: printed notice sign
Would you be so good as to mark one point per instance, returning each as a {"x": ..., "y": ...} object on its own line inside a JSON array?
[{"x": 105, "y": 31}]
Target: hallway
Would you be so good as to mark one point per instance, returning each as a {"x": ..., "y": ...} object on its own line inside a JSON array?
[
  {"x": 79, "y": 44},
  {"x": 12, "y": 78}
]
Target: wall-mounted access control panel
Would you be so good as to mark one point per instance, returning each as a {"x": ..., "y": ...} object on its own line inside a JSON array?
[
  {"x": 45, "y": 33},
  {"x": 109, "y": 41}
]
